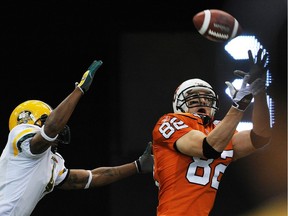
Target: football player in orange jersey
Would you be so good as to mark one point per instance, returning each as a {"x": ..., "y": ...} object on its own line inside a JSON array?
[
  {"x": 192, "y": 150},
  {"x": 30, "y": 165}
]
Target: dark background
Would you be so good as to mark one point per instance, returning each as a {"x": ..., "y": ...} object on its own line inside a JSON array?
[{"x": 148, "y": 49}]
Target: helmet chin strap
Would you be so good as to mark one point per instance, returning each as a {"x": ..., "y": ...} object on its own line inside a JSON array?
[{"x": 206, "y": 119}]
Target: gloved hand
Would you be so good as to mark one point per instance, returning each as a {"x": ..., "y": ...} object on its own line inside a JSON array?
[
  {"x": 145, "y": 162},
  {"x": 256, "y": 86},
  {"x": 64, "y": 137},
  {"x": 242, "y": 97},
  {"x": 259, "y": 66},
  {"x": 257, "y": 72},
  {"x": 88, "y": 76},
  {"x": 258, "y": 69}
]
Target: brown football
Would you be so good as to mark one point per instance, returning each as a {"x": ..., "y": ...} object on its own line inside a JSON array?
[{"x": 217, "y": 25}]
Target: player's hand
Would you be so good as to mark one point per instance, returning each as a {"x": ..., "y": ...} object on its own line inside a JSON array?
[
  {"x": 257, "y": 86},
  {"x": 258, "y": 72},
  {"x": 64, "y": 137},
  {"x": 258, "y": 67},
  {"x": 88, "y": 76},
  {"x": 145, "y": 162},
  {"x": 242, "y": 97}
]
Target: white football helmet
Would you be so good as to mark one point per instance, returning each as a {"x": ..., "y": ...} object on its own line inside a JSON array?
[{"x": 195, "y": 93}]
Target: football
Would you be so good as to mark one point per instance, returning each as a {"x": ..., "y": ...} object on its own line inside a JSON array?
[{"x": 217, "y": 25}]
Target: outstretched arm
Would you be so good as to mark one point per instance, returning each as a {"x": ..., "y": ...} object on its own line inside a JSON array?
[
  {"x": 80, "y": 179},
  {"x": 246, "y": 142},
  {"x": 261, "y": 115},
  {"x": 58, "y": 118},
  {"x": 84, "y": 179}
]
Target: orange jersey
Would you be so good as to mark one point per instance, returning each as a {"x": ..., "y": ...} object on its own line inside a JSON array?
[{"x": 187, "y": 185}]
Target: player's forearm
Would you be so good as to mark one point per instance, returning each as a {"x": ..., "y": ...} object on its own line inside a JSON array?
[
  {"x": 61, "y": 114},
  {"x": 222, "y": 134},
  {"x": 107, "y": 175},
  {"x": 261, "y": 115}
]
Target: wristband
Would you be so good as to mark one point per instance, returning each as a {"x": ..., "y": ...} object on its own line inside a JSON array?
[
  {"x": 209, "y": 151},
  {"x": 89, "y": 180},
  {"x": 258, "y": 141},
  {"x": 138, "y": 166},
  {"x": 76, "y": 85},
  {"x": 44, "y": 135},
  {"x": 243, "y": 103}
]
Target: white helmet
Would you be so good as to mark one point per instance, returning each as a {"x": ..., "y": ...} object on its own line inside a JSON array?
[{"x": 188, "y": 92}]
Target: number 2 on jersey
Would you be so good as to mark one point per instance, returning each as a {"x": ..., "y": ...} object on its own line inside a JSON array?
[{"x": 168, "y": 128}]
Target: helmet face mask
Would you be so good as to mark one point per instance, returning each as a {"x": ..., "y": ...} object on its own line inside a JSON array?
[
  {"x": 200, "y": 100},
  {"x": 25, "y": 116},
  {"x": 40, "y": 122},
  {"x": 193, "y": 94}
]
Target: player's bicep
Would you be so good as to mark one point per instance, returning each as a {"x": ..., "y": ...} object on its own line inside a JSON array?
[
  {"x": 242, "y": 145},
  {"x": 191, "y": 143}
]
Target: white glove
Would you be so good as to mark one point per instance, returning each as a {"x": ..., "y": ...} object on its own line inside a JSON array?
[
  {"x": 242, "y": 97},
  {"x": 256, "y": 86}
]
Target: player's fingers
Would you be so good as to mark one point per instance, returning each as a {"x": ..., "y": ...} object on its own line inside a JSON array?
[
  {"x": 250, "y": 57},
  {"x": 245, "y": 81},
  {"x": 240, "y": 73},
  {"x": 259, "y": 56},
  {"x": 231, "y": 88}
]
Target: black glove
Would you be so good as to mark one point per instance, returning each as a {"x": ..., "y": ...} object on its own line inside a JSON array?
[
  {"x": 64, "y": 137},
  {"x": 242, "y": 97},
  {"x": 258, "y": 72},
  {"x": 88, "y": 76},
  {"x": 258, "y": 67},
  {"x": 145, "y": 162}
]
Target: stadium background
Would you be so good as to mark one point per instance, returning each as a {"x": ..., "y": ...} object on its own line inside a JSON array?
[{"x": 148, "y": 49}]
